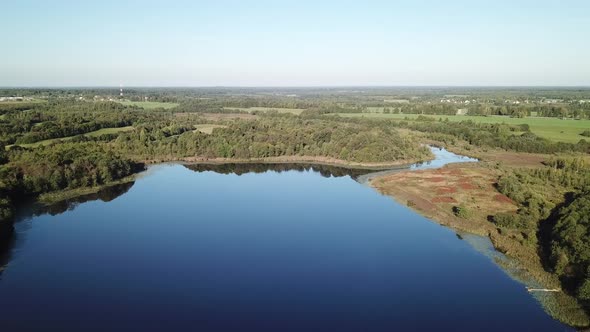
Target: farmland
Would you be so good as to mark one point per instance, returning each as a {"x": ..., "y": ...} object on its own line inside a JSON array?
[
  {"x": 281, "y": 110},
  {"x": 554, "y": 129}
]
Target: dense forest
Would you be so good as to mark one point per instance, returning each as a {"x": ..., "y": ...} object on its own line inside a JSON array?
[
  {"x": 556, "y": 220},
  {"x": 275, "y": 136},
  {"x": 63, "y": 166}
]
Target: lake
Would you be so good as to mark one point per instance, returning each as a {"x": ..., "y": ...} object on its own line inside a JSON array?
[{"x": 251, "y": 248}]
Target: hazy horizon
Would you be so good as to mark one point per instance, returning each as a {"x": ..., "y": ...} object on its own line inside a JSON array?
[
  {"x": 291, "y": 86},
  {"x": 296, "y": 44}
]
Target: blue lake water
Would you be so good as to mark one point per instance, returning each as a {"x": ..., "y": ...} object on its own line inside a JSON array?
[{"x": 186, "y": 250}]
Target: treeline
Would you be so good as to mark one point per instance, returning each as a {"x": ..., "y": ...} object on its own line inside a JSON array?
[
  {"x": 63, "y": 119},
  {"x": 573, "y": 110},
  {"x": 7, "y": 107},
  {"x": 498, "y": 135}
]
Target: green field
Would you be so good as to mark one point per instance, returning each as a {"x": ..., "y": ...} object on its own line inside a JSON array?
[
  {"x": 207, "y": 128},
  {"x": 295, "y": 111},
  {"x": 104, "y": 131},
  {"x": 149, "y": 105},
  {"x": 95, "y": 133},
  {"x": 551, "y": 128}
]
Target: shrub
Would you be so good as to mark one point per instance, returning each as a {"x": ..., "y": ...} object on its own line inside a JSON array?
[
  {"x": 461, "y": 212},
  {"x": 584, "y": 290},
  {"x": 506, "y": 220}
]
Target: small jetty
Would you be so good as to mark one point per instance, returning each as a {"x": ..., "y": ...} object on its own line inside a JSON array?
[{"x": 530, "y": 289}]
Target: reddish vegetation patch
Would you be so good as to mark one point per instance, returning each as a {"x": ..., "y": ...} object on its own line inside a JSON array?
[
  {"x": 422, "y": 204},
  {"x": 445, "y": 190},
  {"x": 503, "y": 199},
  {"x": 517, "y": 159},
  {"x": 444, "y": 200},
  {"x": 436, "y": 179},
  {"x": 467, "y": 186}
]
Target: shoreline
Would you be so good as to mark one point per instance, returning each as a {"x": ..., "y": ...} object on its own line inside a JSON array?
[
  {"x": 434, "y": 192},
  {"x": 312, "y": 160},
  {"x": 63, "y": 195}
]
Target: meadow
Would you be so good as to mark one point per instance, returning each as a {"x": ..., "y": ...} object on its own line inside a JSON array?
[
  {"x": 149, "y": 105},
  {"x": 554, "y": 129},
  {"x": 207, "y": 128},
  {"x": 95, "y": 133},
  {"x": 295, "y": 111}
]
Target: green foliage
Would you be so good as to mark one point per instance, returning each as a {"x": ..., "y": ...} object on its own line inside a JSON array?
[
  {"x": 275, "y": 136},
  {"x": 571, "y": 235},
  {"x": 583, "y": 290},
  {"x": 58, "y": 119},
  {"x": 507, "y": 220},
  {"x": 6, "y": 208},
  {"x": 461, "y": 212},
  {"x": 68, "y": 165},
  {"x": 586, "y": 133}
]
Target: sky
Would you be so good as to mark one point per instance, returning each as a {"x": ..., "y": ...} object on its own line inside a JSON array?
[{"x": 295, "y": 43}]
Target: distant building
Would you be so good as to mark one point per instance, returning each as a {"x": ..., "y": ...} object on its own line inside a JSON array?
[
  {"x": 462, "y": 111},
  {"x": 12, "y": 98}
]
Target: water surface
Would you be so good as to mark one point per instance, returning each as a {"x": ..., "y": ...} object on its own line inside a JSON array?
[{"x": 294, "y": 250}]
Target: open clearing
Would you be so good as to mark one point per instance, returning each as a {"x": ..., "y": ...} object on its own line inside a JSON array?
[
  {"x": 435, "y": 193},
  {"x": 207, "y": 128},
  {"x": 295, "y": 111},
  {"x": 149, "y": 105},
  {"x": 554, "y": 129},
  {"x": 219, "y": 116},
  {"x": 95, "y": 133}
]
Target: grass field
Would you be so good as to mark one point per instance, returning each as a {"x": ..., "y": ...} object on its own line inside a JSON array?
[
  {"x": 104, "y": 131},
  {"x": 208, "y": 128},
  {"x": 551, "y": 128},
  {"x": 149, "y": 105},
  {"x": 295, "y": 111},
  {"x": 95, "y": 133}
]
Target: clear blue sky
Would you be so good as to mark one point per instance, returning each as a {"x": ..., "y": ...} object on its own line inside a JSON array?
[{"x": 294, "y": 43}]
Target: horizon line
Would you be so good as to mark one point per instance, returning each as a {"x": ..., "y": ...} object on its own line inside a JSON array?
[{"x": 281, "y": 86}]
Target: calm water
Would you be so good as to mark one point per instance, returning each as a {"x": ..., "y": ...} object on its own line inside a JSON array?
[{"x": 188, "y": 250}]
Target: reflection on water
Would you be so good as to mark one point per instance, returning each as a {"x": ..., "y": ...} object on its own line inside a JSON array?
[
  {"x": 106, "y": 195},
  {"x": 9, "y": 239},
  {"x": 31, "y": 209},
  {"x": 244, "y": 168},
  {"x": 441, "y": 158}
]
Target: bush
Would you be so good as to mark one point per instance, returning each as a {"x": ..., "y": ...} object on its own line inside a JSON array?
[
  {"x": 584, "y": 290},
  {"x": 461, "y": 212},
  {"x": 506, "y": 220},
  {"x": 586, "y": 133}
]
